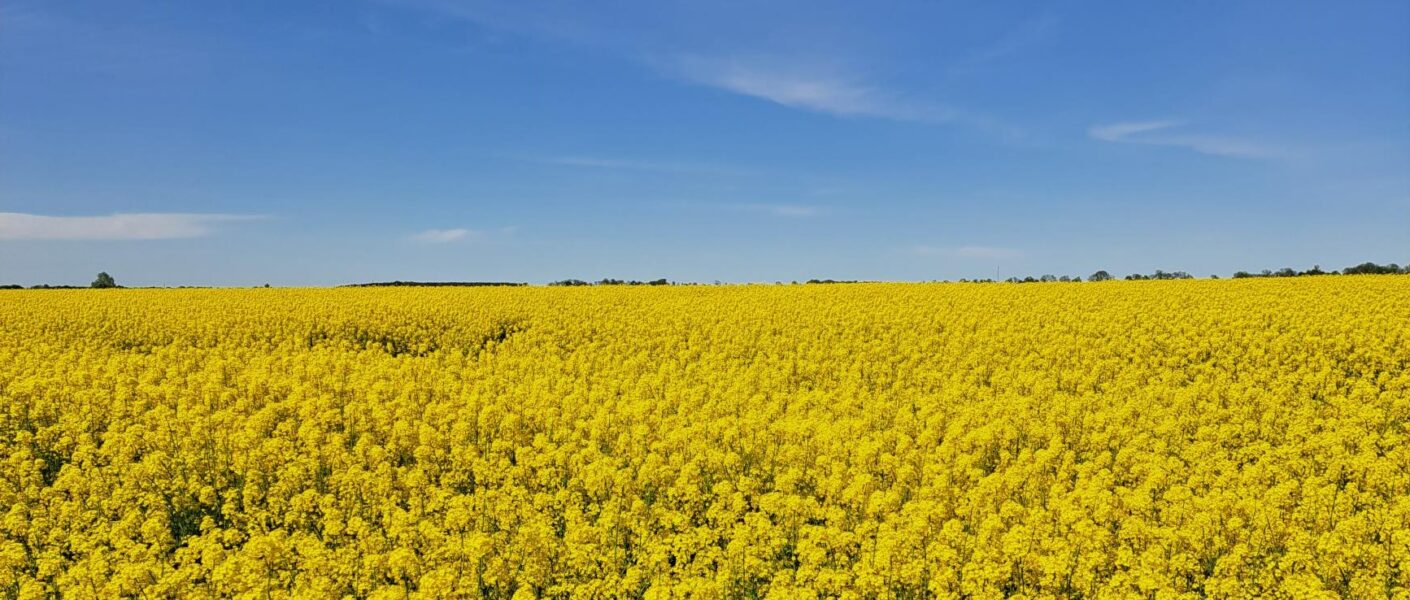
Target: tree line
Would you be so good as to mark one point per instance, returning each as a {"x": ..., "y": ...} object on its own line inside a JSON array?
[
  {"x": 104, "y": 280},
  {"x": 437, "y": 284},
  {"x": 579, "y": 282},
  {"x": 1366, "y": 268}
]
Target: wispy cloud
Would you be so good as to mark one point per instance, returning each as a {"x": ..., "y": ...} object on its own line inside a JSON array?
[
  {"x": 451, "y": 235},
  {"x": 1121, "y": 132},
  {"x": 120, "y": 226},
  {"x": 813, "y": 80},
  {"x": 1023, "y": 36},
  {"x": 797, "y": 85},
  {"x": 805, "y": 85},
  {"x": 545, "y": 20},
  {"x": 971, "y": 252},
  {"x": 1166, "y": 133},
  {"x": 444, "y": 236}
]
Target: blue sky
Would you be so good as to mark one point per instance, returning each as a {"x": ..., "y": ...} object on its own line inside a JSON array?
[{"x": 317, "y": 143}]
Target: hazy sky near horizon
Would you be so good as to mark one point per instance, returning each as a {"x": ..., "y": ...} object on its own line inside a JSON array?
[{"x": 326, "y": 142}]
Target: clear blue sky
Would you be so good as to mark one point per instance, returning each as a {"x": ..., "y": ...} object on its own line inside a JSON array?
[{"x": 315, "y": 143}]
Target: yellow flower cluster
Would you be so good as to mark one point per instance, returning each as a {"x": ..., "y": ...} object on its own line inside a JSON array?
[{"x": 1168, "y": 439}]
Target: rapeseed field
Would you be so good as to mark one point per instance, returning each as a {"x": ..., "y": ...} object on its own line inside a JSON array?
[{"x": 1166, "y": 439}]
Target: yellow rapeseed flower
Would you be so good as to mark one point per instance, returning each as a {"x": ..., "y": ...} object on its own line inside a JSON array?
[{"x": 1169, "y": 439}]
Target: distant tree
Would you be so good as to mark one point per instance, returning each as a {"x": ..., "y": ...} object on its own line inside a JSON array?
[
  {"x": 1100, "y": 276},
  {"x": 1370, "y": 268},
  {"x": 1362, "y": 269},
  {"x": 1242, "y": 274},
  {"x": 104, "y": 280},
  {"x": 662, "y": 281}
]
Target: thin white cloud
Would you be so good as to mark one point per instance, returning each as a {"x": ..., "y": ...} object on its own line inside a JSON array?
[
  {"x": 811, "y": 81},
  {"x": 970, "y": 252},
  {"x": 804, "y": 85},
  {"x": 1023, "y": 36},
  {"x": 1158, "y": 133},
  {"x": 535, "y": 19},
  {"x": 1120, "y": 132},
  {"x": 444, "y": 236},
  {"x": 795, "y": 85},
  {"x": 120, "y": 226}
]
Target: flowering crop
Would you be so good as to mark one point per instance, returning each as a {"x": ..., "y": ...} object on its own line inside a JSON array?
[{"x": 1159, "y": 439}]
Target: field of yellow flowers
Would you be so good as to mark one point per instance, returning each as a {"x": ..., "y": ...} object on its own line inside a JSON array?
[{"x": 1166, "y": 439}]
